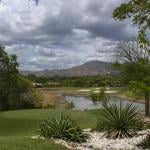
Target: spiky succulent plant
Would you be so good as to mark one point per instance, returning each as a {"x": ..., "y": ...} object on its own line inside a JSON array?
[
  {"x": 63, "y": 127},
  {"x": 119, "y": 122}
]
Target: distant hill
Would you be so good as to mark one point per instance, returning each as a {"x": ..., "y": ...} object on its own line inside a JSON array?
[{"x": 91, "y": 68}]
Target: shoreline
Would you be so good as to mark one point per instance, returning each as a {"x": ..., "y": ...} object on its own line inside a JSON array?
[{"x": 123, "y": 97}]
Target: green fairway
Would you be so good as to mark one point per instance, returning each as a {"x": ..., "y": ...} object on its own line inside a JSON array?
[
  {"x": 23, "y": 143},
  {"x": 17, "y": 128}
]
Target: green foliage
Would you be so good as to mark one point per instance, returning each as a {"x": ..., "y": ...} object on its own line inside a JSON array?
[
  {"x": 119, "y": 122},
  {"x": 100, "y": 96},
  {"x": 95, "y": 81},
  {"x": 24, "y": 143},
  {"x": 130, "y": 93},
  {"x": 136, "y": 75},
  {"x": 18, "y": 126},
  {"x": 145, "y": 144},
  {"x": 15, "y": 91},
  {"x": 138, "y": 11},
  {"x": 139, "y": 87},
  {"x": 134, "y": 66},
  {"x": 63, "y": 127}
]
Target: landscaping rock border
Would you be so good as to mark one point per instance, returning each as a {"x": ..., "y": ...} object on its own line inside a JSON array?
[{"x": 97, "y": 141}]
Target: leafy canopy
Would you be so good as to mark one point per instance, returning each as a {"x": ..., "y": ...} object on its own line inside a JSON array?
[
  {"x": 15, "y": 91},
  {"x": 137, "y": 70},
  {"x": 139, "y": 12}
]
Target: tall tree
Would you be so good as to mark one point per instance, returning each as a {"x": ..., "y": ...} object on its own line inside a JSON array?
[
  {"x": 134, "y": 65},
  {"x": 15, "y": 91},
  {"x": 137, "y": 57}
]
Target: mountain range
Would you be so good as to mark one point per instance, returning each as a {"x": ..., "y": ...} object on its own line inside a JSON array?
[{"x": 91, "y": 68}]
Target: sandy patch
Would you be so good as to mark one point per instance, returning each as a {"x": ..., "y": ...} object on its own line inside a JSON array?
[
  {"x": 84, "y": 90},
  {"x": 107, "y": 92}
]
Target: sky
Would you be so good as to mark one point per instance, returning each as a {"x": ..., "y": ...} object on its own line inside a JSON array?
[{"x": 61, "y": 33}]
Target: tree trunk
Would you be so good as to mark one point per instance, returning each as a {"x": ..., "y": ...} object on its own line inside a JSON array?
[{"x": 147, "y": 99}]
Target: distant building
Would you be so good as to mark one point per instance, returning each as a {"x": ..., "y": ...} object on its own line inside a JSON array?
[{"x": 37, "y": 85}]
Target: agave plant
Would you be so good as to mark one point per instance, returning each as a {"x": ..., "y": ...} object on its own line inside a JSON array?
[
  {"x": 64, "y": 128},
  {"x": 119, "y": 122}
]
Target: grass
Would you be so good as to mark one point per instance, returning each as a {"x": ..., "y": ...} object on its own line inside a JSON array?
[
  {"x": 133, "y": 95},
  {"x": 23, "y": 143},
  {"x": 128, "y": 94},
  {"x": 17, "y": 127}
]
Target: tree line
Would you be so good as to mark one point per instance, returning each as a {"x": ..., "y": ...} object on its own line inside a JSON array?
[{"x": 87, "y": 81}]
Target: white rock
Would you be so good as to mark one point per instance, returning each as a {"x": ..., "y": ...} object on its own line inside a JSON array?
[
  {"x": 98, "y": 142},
  {"x": 35, "y": 137}
]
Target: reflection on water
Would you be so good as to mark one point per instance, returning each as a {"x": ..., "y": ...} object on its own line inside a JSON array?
[{"x": 85, "y": 103}]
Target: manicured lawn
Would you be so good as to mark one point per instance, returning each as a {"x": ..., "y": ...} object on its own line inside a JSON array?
[
  {"x": 17, "y": 128},
  {"x": 25, "y": 143}
]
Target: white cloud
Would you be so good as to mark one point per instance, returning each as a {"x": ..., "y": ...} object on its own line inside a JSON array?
[{"x": 60, "y": 33}]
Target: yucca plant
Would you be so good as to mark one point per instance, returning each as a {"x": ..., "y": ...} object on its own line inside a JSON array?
[
  {"x": 119, "y": 122},
  {"x": 63, "y": 127}
]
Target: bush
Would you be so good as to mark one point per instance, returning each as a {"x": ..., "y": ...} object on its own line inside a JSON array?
[
  {"x": 119, "y": 122},
  {"x": 64, "y": 128},
  {"x": 20, "y": 95}
]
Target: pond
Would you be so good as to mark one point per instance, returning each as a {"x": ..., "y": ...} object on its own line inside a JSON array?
[{"x": 85, "y": 103}]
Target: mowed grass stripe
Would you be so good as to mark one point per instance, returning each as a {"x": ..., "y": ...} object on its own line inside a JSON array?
[{"x": 17, "y": 127}]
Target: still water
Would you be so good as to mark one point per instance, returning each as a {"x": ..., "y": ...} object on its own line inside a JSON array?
[{"x": 85, "y": 103}]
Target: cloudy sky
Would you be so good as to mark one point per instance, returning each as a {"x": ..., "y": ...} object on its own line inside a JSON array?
[{"x": 61, "y": 33}]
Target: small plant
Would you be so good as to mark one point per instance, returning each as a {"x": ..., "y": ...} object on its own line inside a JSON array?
[
  {"x": 119, "y": 122},
  {"x": 145, "y": 144},
  {"x": 63, "y": 127},
  {"x": 100, "y": 96}
]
